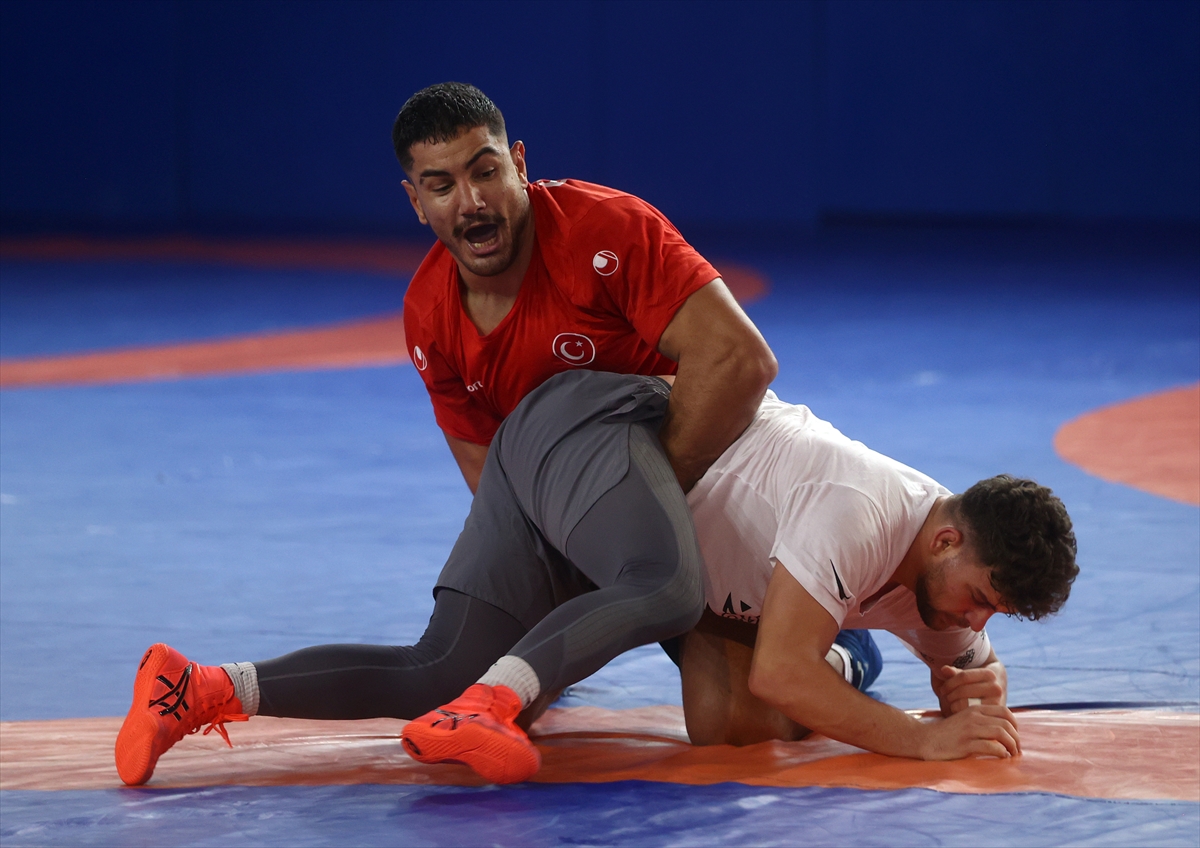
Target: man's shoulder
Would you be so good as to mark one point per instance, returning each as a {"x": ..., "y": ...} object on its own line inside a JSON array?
[
  {"x": 572, "y": 201},
  {"x": 430, "y": 287}
]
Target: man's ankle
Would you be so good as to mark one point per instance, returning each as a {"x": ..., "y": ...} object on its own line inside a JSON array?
[{"x": 244, "y": 677}]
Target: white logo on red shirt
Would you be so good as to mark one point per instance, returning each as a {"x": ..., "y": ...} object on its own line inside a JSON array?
[
  {"x": 605, "y": 262},
  {"x": 574, "y": 349},
  {"x": 474, "y": 387},
  {"x": 419, "y": 359},
  {"x": 551, "y": 183}
]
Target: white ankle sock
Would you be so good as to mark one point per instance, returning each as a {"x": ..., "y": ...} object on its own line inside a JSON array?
[
  {"x": 245, "y": 685},
  {"x": 843, "y": 655},
  {"x": 517, "y": 675}
]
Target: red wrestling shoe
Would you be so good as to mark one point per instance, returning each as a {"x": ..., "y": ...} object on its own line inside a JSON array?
[
  {"x": 171, "y": 698},
  {"x": 477, "y": 729}
]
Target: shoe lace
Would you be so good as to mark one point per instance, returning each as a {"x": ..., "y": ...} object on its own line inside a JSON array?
[{"x": 218, "y": 724}]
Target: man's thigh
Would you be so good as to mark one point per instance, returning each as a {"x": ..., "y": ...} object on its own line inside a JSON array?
[
  {"x": 501, "y": 558},
  {"x": 718, "y": 706}
]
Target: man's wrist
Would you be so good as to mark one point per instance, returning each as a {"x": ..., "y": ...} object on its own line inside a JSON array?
[{"x": 918, "y": 739}]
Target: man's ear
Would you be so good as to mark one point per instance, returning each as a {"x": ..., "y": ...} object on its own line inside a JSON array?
[
  {"x": 411, "y": 191},
  {"x": 947, "y": 538},
  {"x": 517, "y": 151}
]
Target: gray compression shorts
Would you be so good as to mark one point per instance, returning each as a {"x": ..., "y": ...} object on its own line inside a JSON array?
[{"x": 560, "y": 451}]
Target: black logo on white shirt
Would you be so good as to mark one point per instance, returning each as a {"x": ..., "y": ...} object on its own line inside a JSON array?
[{"x": 841, "y": 589}]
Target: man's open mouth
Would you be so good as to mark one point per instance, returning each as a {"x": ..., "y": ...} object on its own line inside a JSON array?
[{"x": 481, "y": 236}]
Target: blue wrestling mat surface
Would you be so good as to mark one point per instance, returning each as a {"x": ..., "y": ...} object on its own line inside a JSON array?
[
  {"x": 242, "y": 517},
  {"x": 618, "y": 814}
]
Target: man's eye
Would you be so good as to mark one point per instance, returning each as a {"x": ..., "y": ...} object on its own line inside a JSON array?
[{"x": 487, "y": 174}]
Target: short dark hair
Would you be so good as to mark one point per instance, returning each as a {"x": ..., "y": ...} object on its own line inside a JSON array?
[
  {"x": 439, "y": 113},
  {"x": 1022, "y": 532}
]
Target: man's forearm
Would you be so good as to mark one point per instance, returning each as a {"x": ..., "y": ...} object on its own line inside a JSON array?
[
  {"x": 470, "y": 458},
  {"x": 711, "y": 404},
  {"x": 816, "y": 697},
  {"x": 725, "y": 367}
]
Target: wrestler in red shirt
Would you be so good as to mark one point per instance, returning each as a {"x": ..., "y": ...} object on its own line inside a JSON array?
[
  {"x": 530, "y": 280},
  {"x": 607, "y": 275}
]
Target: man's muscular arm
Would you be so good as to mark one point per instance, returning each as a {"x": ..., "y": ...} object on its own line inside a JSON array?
[
  {"x": 469, "y": 457},
  {"x": 790, "y": 673},
  {"x": 725, "y": 367}
]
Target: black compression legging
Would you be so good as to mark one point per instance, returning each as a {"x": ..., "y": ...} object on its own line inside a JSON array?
[{"x": 465, "y": 636}]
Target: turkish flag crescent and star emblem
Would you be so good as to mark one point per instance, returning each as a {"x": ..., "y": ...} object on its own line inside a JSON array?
[{"x": 574, "y": 349}]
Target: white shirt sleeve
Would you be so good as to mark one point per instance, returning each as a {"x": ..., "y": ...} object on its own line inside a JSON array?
[{"x": 830, "y": 540}]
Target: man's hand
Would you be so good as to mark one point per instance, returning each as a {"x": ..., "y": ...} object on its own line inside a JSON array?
[
  {"x": 725, "y": 367},
  {"x": 988, "y": 731},
  {"x": 958, "y": 689}
]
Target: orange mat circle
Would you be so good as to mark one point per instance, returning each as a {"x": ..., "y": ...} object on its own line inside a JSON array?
[{"x": 1151, "y": 443}]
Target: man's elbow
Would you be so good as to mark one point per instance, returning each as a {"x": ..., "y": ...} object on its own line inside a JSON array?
[
  {"x": 767, "y": 686},
  {"x": 765, "y": 367},
  {"x": 753, "y": 364}
]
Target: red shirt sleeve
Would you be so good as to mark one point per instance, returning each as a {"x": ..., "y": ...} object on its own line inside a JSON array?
[
  {"x": 453, "y": 407},
  {"x": 644, "y": 263}
]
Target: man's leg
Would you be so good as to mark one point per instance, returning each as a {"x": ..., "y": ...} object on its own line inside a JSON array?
[
  {"x": 714, "y": 663},
  {"x": 718, "y": 707},
  {"x": 638, "y": 546},
  {"x": 464, "y": 637},
  {"x": 174, "y": 697}
]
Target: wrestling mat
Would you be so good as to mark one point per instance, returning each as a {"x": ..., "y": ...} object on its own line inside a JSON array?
[{"x": 221, "y": 445}]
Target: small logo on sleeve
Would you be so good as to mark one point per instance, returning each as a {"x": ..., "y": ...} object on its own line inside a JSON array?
[
  {"x": 419, "y": 359},
  {"x": 605, "y": 262},
  {"x": 574, "y": 349},
  {"x": 841, "y": 589}
]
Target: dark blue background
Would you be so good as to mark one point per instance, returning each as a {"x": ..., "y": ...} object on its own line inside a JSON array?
[{"x": 250, "y": 116}]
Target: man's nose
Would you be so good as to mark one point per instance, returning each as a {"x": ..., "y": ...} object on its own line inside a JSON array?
[{"x": 470, "y": 199}]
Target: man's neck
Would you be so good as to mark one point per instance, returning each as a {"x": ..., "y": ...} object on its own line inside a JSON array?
[{"x": 913, "y": 563}]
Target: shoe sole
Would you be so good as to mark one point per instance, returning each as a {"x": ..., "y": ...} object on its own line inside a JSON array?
[
  {"x": 139, "y": 731},
  {"x": 490, "y": 754}
]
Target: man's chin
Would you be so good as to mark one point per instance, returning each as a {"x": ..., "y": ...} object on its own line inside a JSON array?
[{"x": 484, "y": 266}]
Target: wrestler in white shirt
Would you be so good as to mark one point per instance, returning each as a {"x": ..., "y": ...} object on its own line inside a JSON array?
[{"x": 864, "y": 542}]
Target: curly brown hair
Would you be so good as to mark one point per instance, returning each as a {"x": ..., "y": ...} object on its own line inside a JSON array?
[{"x": 1022, "y": 532}]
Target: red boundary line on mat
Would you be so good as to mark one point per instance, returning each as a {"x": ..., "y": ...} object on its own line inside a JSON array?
[{"x": 357, "y": 344}]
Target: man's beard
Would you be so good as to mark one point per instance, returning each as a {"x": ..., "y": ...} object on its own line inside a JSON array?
[{"x": 934, "y": 618}]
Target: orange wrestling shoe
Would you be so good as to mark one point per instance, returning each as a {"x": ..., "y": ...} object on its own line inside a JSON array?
[
  {"x": 477, "y": 729},
  {"x": 171, "y": 698}
]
